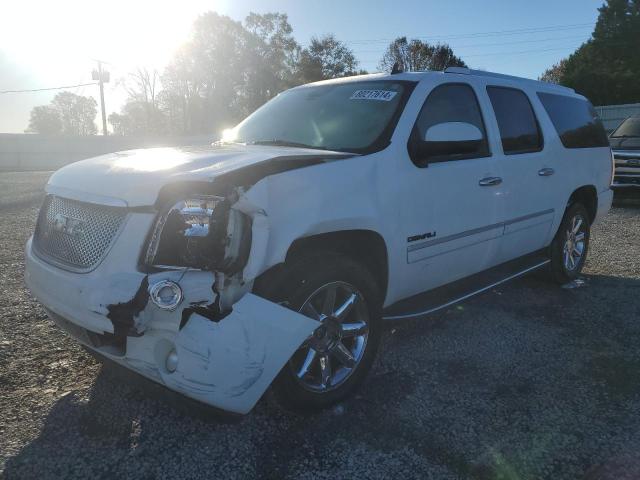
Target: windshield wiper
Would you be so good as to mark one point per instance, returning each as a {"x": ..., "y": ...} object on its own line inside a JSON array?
[{"x": 284, "y": 143}]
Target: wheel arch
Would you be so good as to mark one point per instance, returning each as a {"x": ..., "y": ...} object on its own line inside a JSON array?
[
  {"x": 587, "y": 195},
  {"x": 365, "y": 246}
]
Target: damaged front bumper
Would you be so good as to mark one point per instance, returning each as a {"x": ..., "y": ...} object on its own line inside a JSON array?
[{"x": 225, "y": 361}]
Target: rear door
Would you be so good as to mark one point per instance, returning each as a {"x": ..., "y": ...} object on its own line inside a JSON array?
[{"x": 530, "y": 187}]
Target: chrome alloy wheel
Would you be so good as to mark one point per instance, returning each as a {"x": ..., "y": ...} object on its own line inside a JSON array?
[
  {"x": 574, "y": 243},
  {"x": 334, "y": 350}
]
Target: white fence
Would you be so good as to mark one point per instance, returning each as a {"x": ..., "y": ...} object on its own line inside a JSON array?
[
  {"x": 613, "y": 115},
  {"x": 50, "y": 152}
]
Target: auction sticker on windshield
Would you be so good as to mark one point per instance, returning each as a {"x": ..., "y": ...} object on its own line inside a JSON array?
[{"x": 381, "y": 95}]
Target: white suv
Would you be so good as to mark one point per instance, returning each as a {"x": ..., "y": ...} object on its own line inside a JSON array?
[{"x": 272, "y": 257}]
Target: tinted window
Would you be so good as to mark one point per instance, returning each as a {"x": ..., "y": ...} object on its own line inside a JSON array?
[
  {"x": 452, "y": 103},
  {"x": 575, "y": 121},
  {"x": 518, "y": 126},
  {"x": 629, "y": 128},
  {"x": 350, "y": 116}
]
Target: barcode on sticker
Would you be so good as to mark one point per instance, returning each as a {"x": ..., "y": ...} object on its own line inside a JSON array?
[{"x": 381, "y": 95}]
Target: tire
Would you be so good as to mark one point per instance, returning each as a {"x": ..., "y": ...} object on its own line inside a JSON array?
[
  {"x": 305, "y": 285},
  {"x": 562, "y": 269}
]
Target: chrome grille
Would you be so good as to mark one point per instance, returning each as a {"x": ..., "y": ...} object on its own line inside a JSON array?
[{"x": 75, "y": 234}]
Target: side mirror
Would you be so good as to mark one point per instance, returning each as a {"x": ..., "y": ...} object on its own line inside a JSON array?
[
  {"x": 451, "y": 139},
  {"x": 453, "y": 132}
]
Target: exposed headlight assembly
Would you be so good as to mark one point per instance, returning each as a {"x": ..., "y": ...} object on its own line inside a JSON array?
[{"x": 201, "y": 232}]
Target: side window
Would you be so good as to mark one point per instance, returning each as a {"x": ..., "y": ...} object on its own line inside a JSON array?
[
  {"x": 519, "y": 129},
  {"x": 575, "y": 121},
  {"x": 464, "y": 136}
]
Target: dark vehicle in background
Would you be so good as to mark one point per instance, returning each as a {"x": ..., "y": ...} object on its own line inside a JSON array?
[{"x": 625, "y": 143}]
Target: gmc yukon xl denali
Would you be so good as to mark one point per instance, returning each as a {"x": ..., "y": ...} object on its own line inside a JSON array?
[{"x": 272, "y": 257}]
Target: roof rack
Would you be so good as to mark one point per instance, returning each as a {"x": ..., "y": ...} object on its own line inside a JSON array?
[{"x": 483, "y": 73}]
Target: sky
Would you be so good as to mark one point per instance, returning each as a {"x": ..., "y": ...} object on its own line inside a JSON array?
[{"x": 45, "y": 43}]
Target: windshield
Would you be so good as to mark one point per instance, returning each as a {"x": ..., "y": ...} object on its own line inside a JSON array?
[
  {"x": 629, "y": 128},
  {"x": 351, "y": 117}
]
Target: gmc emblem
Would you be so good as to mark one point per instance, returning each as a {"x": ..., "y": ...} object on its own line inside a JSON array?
[{"x": 73, "y": 227}]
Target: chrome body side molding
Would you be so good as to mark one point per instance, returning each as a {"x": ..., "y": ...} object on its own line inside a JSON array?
[{"x": 475, "y": 231}]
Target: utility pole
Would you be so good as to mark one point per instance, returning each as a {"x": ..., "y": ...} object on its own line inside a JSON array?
[{"x": 103, "y": 77}]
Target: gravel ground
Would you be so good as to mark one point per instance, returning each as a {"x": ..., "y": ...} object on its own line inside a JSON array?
[{"x": 527, "y": 381}]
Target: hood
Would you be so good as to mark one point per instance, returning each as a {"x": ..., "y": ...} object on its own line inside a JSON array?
[
  {"x": 134, "y": 178},
  {"x": 625, "y": 143}
]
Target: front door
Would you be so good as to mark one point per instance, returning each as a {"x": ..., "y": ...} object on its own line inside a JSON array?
[{"x": 452, "y": 204}]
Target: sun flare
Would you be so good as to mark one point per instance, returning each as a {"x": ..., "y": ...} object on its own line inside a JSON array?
[{"x": 129, "y": 33}]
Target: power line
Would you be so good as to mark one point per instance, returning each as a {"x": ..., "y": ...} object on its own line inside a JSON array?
[
  {"x": 537, "y": 50},
  {"x": 476, "y": 45},
  {"x": 48, "y": 88},
  {"x": 499, "y": 54},
  {"x": 487, "y": 34},
  {"x": 551, "y": 48},
  {"x": 520, "y": 31}
]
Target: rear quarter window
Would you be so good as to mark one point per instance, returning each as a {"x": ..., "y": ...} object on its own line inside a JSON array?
[{"x": 575, "y": 120}]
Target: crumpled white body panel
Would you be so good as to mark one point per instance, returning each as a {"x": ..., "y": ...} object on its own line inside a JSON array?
[
  {"x": 227, "y": 363},
  {"x": 231, "y": 363}
]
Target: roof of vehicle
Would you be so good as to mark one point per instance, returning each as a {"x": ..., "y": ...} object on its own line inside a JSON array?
[{"x": 452, "y": 72}]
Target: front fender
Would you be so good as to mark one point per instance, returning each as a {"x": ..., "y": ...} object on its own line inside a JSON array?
[{"x": 325, "y": 198}]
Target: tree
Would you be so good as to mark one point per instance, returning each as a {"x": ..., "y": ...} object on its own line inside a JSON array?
[
  {"x": 273, "y": 52},
  {"x": 555, "y": 73},
  {"x": 45, "y": 119},
  {"x": 442, "y": 57},
  {"x": 206, "y": 78},
  {"x": 136, "y": 118},
  {"x": 180, "y": 98},
  {"x": 228, "y": 69},
  {"x": 605, "y": 68},
  {"x": 119, "y": 123},
  {"x": 141, "y": 114},
  {"x": 68, "y": 113},
  {"x": 415, "y": 55},
  {"x": 76, "y": 112},
  {"x": 324, "y": 58}
]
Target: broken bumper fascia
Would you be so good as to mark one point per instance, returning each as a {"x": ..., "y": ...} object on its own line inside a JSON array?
[{"x": 227, "y": 363}]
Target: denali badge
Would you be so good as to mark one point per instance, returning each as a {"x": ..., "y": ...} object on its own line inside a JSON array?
[
  {"x": 73, "y": 227},
  {"x": 422, "y": 236}
]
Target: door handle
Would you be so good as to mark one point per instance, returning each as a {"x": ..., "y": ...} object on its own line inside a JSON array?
[
  {"x": 546, "y": 172},
  {"x": 490, "y": 181}
]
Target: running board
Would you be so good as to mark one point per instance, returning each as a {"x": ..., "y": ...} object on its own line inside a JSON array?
[{"x": 443, "y": 297}]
